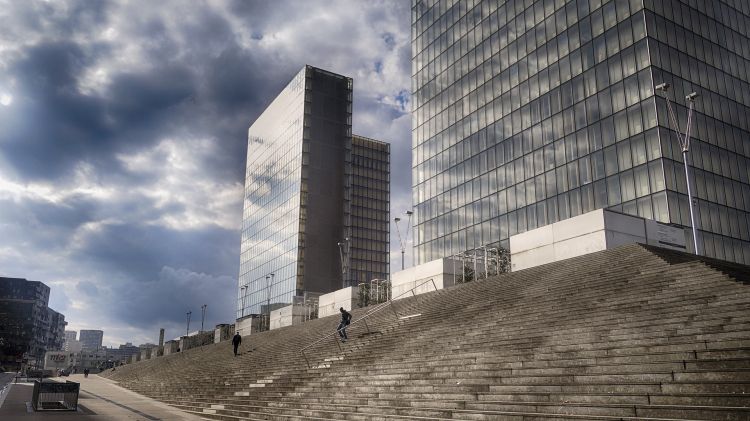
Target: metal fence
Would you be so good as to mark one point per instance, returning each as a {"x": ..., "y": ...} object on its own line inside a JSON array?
[
  {"x": 53, "y": 396},
  {"x": 375, "y": 292},
  {"x": 480, "y": 263}
]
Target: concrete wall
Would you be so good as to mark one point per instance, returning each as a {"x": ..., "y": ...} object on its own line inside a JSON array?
[
  {"x": 171, "y": 347},
  {"x": 288, "y": 316},
  {"x": 329, "y": 304},
  {"x": 223, "y": 332},
  {"x": 146, "y": 354},
  {"x": 196, "y": 340},
  {"x": 440, "y": 271},
  {"x": 247, "y": 325},
  {"x": 594, "y": 231}
]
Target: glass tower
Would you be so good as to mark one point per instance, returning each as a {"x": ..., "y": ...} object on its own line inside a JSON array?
[
  {"x": 370, "y": 209},
  {"x": 315, "y": 199},
  {"x": 530, "y": 112}
]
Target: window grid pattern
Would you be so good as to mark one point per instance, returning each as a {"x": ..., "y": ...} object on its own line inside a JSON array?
[
  {"x": 543, "y": 111},
  {"x": 710, "y": 59},
  {"x": 368, "y": 254},
  {"x": 270, "y": 225},
  {"x": 528, "y": 112}
]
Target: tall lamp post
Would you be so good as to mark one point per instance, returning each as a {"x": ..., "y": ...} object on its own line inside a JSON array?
[
  {"x": 404, "y": 240},
  {"x": 244, "y": 294},
  {"x": 685, "y": 145},
  {"x": 268, "y": 298},
  {"x": 187, "y": 330},
  {"x": 344, "y": 266},
  {"x": 203, "y": 314}
]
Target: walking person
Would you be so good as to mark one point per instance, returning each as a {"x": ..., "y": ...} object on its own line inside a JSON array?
[
  {"x": 346, "y": 318},
  {"x": 85, "y": 372},
  {"x": 236, "y": 341}
]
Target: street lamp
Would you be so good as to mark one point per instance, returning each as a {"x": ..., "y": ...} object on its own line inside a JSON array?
[
  {"x": 403, "y": 241},
  {"x": 344, "y": 266},
  {"x": 187, "y": 330},
  {"x": 244, "y": 294},
  {"x": 268, "y": 297},
  {"x": 203, "y": 314},
  {"x": 685, "y": 145}
]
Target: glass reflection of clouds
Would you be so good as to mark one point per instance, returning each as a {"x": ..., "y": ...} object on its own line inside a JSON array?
[{"x": 270, "y": 226}]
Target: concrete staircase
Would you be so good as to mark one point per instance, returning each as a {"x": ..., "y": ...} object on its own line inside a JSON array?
[{"x": 632, "y": 333}]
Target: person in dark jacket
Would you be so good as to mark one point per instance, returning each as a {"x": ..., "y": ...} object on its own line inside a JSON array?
[
  {"x": 346, "y": 318},
  {"x": 236, "y": 341}
]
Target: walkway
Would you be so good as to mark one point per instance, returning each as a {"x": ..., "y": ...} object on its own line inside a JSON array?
[{"x": 100, "y": 399}]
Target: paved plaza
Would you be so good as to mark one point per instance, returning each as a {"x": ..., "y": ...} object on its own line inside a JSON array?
[{"x": 99, "y": 399}]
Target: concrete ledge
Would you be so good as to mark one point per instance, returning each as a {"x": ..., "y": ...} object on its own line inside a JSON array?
[{"x": 594, "y": 231}]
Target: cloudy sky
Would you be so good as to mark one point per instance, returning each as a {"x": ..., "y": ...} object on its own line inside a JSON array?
[{"x": 123, "y": 139}]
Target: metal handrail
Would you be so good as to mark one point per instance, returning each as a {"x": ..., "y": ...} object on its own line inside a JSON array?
[{"x": 377, "y": 308}]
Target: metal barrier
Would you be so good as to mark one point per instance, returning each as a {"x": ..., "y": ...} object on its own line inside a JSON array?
[
  {"x": 363, "y": 319},
  {"x": 53, "y": 396}
]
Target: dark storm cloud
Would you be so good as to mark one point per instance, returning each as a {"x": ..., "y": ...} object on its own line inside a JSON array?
[
  {"x": 172, "y": 292},
  {"x": 64, "y": 126},
  {"x": 142, "y": 251}
]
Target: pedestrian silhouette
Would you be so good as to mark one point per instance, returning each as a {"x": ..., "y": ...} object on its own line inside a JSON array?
[
  {"x": 236, "y": 341},
  {"x": 346, "y": 318}
]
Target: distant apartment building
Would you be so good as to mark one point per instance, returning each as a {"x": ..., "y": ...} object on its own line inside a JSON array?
[
  {"x": 28, "y": 327},
  {"x": 526, "y": 113},
  {"x": 56, "y": 328},
  {"x": 91, "y": 340},
  {"x": 71, "y": 335},
  {"x": 316, "y": 200}
]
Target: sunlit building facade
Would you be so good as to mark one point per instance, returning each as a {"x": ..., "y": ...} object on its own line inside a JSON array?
[
  {"x": 530, "y": 112},
  {"x": 299, "y": 235}
]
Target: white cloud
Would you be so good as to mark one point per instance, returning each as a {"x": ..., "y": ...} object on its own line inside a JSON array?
[{"x": 179, "y": 183}]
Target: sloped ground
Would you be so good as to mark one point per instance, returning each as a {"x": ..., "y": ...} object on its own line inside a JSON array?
[{"x": 635, "y": 332}]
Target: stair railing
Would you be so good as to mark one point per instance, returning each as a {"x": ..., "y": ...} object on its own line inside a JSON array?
[{"x": 390, "y": 304}]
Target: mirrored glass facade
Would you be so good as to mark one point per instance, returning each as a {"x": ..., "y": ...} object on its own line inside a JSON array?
[
  {"x": 529, "y": 112},
  {"x": 704, "y": 47},
  {"x": 370, "y": 190},
  {"x": 309, "y": 187}
]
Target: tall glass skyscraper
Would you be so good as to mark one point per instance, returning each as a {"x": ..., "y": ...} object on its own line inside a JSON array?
[
  {"x": 529, "y": 112},
  {"x": 370, "y": 189},
  {"x": 307, "y": 212}
]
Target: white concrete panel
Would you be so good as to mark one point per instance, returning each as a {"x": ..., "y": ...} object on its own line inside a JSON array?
[
  {"x": 248, "y": 325},
  {"x": 535, "y": 257},
  {"x": 530, "y": 240},
  {"x": 663, "y": 235},
  {"x": 617, "y": 239},
  {"x": 291, "y": 315},
  {"x": 577, "y": 226},
  {"x": 329, "y": 304},
  {"x": 399, "y": 289},
  {"x": 622, "y": 223},
  {"x": 580, "y": 245}
]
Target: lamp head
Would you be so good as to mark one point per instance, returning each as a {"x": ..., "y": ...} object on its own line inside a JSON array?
[
  {"x": 664, "y": 87},
  {"x": 409, "y": 213},
  {"x": 691, "y": 96},
  {"x": 396, "y": 219}
]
